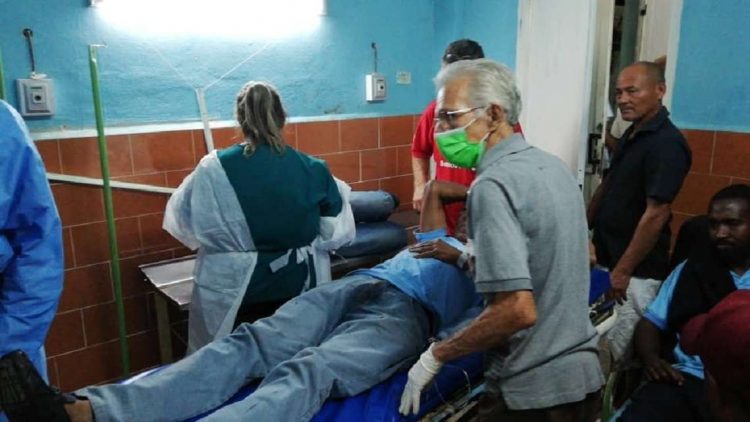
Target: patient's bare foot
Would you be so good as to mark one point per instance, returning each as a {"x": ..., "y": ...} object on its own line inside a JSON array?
[{"x": 80, "y": 411}]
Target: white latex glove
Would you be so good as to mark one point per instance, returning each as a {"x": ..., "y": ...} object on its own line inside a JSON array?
[{"x": 420, "y": 375}]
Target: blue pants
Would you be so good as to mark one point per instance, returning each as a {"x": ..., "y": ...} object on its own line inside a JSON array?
[
  {"x": 372, "y": 206},
  {"x": 335, "y": 340},
  {"x": 375, "y": 238}
]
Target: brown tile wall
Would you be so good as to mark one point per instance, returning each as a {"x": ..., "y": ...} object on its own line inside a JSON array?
[
  {"x": 719, "y": 159},
  {"x": 82, "y": 346}
]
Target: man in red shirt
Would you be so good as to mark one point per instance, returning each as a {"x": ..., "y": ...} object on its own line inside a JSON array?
[{"x": 423, "y": 145}]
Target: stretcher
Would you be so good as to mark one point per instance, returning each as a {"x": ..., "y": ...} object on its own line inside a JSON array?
[
  {"x": 380, "y": 403},
  {"x": 450, "y": 398}
]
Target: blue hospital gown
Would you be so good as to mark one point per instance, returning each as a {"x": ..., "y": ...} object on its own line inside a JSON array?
[{"x": 31, "y": 257}]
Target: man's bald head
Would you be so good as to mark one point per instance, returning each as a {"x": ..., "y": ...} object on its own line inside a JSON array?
[
  {"x": 639, "y": 90},
  {"x": 653, "y": 71}
]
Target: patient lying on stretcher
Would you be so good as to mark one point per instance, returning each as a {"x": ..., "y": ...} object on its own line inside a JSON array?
[{"x": 335, "y": 340}]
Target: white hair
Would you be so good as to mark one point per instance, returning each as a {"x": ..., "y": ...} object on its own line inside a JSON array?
[{"x": 490, "y": 82}]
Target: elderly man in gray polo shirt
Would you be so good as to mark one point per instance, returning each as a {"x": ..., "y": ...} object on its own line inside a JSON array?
[{"x": 529, "y": 235}]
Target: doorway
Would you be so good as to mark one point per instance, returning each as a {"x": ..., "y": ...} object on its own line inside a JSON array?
[{"x": 568, "y": 56}]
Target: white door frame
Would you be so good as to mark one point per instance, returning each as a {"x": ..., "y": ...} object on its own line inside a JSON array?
[
  {"x": 673, "y": 50},
  {"x": 542, "y": 79},
  {"x": 554, "y": 68}
]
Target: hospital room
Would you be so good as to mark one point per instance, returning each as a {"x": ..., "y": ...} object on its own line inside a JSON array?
[{"x": 361, "y": 210}]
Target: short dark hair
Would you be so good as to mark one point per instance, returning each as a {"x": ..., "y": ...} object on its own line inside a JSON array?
[
  {"x": 463, "y": 49},
  {"x": 737, "y": 191}
]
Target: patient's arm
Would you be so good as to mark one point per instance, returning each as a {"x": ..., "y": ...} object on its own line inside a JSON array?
[
  {"x": 433, "y": 218},
  {"x": 437, "y": 193}
]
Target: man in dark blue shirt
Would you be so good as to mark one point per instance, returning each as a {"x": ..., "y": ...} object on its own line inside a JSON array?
[{"x": 630, "y": 211}]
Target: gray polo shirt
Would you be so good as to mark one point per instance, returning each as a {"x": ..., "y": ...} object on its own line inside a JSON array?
[{"x": 528, "y": 228}]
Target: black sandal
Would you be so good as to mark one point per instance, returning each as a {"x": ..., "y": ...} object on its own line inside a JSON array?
[{"x": 24, "y": 396}]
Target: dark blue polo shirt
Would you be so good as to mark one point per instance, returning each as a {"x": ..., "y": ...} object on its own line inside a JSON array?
[{"x": 652, "y": 163}]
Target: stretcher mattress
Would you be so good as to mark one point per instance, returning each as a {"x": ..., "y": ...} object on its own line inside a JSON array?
[{"x": 380, "y": 403}]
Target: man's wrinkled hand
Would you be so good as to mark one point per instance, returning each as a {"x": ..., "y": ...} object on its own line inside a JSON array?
[
  {"x": 659, "y": 370},
  {"x": 420, "y": 375},
  {"x": 620, "y": 282},
  {"x": 592, "y": 254},
  {"x": 418, "y": 198},
  {"x": 437, "y": 249}
]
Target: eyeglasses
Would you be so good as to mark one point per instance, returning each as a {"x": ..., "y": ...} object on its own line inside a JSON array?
[{"x": 450, "y": 117}]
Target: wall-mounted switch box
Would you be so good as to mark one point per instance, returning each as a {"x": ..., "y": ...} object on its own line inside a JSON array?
[
  {"x": 403, "y": 77},
  {"x": 375, "y": 89},
  {"x": 35, "y": 97}
]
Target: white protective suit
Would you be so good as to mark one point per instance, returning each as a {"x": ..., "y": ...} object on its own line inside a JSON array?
[{"x": 204, "y": 214}]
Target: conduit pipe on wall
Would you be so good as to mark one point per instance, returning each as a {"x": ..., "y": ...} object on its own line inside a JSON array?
[
  {"x": 90, "y": 181},
  {"x": 200, "y": 95},
  {"x": 108, "y": 209},
  {"x": 2, "y": 78}
]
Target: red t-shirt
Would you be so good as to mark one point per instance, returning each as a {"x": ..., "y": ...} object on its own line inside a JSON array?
[{"x": 423, "y": 146}]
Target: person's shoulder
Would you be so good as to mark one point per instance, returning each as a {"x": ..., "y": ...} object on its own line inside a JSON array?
[
  {"x": 671, "y": 140},
  {"x": 668, "y": 132},
  {"x": 312, "y": 160},
  {"x": 523, "y": 165},
  {"x": 230, "y": 151},
  {"x": 665, "y": 136},
  {"x": 315, "y": 163},
  {"x": 486, "y": 181},
  {"x": 13, "y": 131},
  {"x": 7, "y": 113},
  {"x": 550, "y": 159}
]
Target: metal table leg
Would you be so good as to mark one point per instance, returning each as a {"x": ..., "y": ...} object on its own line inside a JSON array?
[{"x": 162, "y": 324}]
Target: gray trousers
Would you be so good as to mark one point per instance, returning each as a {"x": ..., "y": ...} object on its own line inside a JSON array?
[{"x": 335, "y": 340}]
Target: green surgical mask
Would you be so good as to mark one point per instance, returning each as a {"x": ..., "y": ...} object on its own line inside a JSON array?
[{"x": 455, "y": 147}]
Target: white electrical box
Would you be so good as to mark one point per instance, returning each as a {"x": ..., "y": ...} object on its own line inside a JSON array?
[
  {"x": 375, "y": 88},
  {"x": 35, "y": 97}
]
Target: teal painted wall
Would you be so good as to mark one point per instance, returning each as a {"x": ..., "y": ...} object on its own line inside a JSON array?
[
  {"x": 321, "y": 71},
  {"x": 318, "y": 72},
  {"x": 492, "y": 23},
  {"x": 150, "y": 78},
  {"x": 712, "y": 82},
  {"x": 495, "y": 25}
]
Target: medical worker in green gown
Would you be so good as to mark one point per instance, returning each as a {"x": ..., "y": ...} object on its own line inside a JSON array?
[{"x": 262, "y": 216}]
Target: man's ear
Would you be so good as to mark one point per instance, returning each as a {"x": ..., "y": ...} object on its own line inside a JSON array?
[
  {"x": 661, "y": 89},
  {"x": 497, "y": 115}
]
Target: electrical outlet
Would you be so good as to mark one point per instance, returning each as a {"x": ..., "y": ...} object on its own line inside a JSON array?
[{"x": 35, "y": 97}]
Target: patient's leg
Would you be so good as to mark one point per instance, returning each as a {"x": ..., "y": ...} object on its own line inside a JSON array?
[
  {"x": 436, "y": 194},
  {"x": 374, "y": 340},
  {"x": 211, "y": 375}
]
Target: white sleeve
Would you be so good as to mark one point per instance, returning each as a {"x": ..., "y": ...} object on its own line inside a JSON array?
[
  {"x": 178, "y": 217},
  {"x": 337, "y": 231}
]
